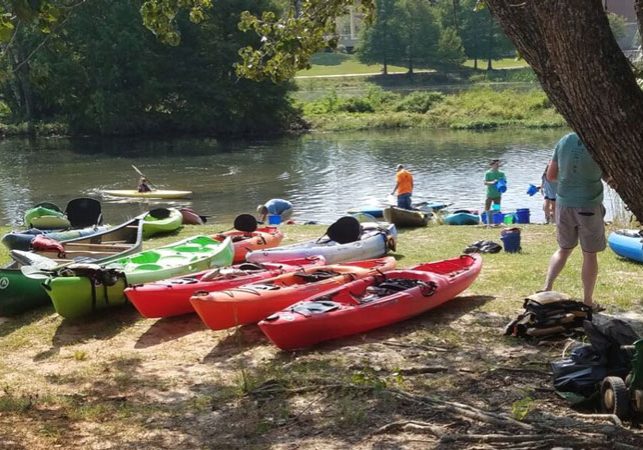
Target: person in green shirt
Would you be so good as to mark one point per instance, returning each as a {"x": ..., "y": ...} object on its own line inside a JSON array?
[
  {"x": 491, "y": 178},
  {"x": 579, "y": 212}
]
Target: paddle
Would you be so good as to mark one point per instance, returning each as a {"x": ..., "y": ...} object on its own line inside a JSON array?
[{"x": 143, "y": 175}]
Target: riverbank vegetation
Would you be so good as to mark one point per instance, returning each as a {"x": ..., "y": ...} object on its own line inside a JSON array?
[
  {"x": 474, "y": 108},
  {"x": 447, "y": 378}
]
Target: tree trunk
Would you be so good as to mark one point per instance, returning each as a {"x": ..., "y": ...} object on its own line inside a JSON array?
[
  {"x": 574, "y": 54},
  {"x": 489, "y": 65},
  {"x": 475, "y": 63},
  {"x": 385, "y": 69}
]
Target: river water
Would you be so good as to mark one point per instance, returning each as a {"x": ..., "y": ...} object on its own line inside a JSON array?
[{"x": 323, "y": 174}]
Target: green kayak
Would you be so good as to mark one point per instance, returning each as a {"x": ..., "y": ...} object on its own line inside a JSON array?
[
  {"x": 162, "y": 220},
  {"x": 19, "y": 293},
  {"x": 46, "y": 216},
  {"x": 79, "y": 289}
]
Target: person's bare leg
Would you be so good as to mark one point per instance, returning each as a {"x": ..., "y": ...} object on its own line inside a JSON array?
[
  {"x": 556, "y": 264},
  {"x": 552, "y": 209},
  {"x": 589, "y": 273}
]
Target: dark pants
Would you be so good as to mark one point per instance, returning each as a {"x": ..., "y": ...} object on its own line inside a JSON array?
[{"x": 404, "y": 201}]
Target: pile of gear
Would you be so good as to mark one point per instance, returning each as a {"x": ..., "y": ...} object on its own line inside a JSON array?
[
  {"x": 549, "y": 315},
  {"x": 483, "y": 247}
]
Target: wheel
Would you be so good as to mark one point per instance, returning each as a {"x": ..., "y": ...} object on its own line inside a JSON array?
[{"x": 614, "y": 396}]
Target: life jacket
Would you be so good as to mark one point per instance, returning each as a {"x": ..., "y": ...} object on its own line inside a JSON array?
[
  {"x": 42, "y": 243},
  {"x": 549, "y": 314}
]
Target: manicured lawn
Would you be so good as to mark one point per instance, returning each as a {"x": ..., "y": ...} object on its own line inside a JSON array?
[{"x": 329, "y": 64}]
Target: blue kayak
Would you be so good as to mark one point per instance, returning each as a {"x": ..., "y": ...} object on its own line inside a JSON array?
[
  {"x": 627, "y": 243},
  {"x": 462, "y": 218}
]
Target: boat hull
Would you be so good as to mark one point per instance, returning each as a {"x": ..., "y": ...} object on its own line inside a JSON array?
[
  {"x": 19, "y": 293},
  {"x": 375, "y": 242},
  {"x": 77, "y": 292},
  {"x": 253, "y": 302},
  {"x": 160, "y": 193},
  {"x": 244, "y": 242},
  {"x": 347, "y": 310},
  {"x": 171, "y": 297},
  {"x": 462, "y": 218},
  {"x": 627, "y": 243},
  {"x": 405, "y": 217},
  {"x": 153, "y": 226}
]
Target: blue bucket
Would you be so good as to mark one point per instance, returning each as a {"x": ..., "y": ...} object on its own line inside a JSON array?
[
  {"x": 511, "y": 239},
  {"x": 531, "y": 191},
  {"x": 498, "y": 218},
  {"x": 274, "y": 219},
  {"x": 501, "y": 185},
  {"x": 522, "y": 215}
]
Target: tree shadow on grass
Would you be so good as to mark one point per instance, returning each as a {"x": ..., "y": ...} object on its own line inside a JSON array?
[
  {"x": 236, "y": 341},
  {"x": 9, "y": 324},
  {"x": 169, "y": 329},
  {"x": 101, "y": 325}
]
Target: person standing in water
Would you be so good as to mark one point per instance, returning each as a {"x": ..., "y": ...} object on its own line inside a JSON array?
[
  {"x": 548, "y": 189},
  {"x": 494, "y": 196},
  {"x": 403, "y": 187}
]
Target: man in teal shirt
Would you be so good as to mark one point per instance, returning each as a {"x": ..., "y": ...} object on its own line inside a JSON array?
[
  {"x": 579, "y": 212},
  {"x": 491, "y": 178}
]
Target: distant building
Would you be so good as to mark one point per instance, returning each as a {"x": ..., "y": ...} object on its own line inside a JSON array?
[{"x": 347, "y": 28}]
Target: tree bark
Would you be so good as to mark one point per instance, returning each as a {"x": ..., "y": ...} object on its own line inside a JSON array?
[{"x": 570, "y": 47}]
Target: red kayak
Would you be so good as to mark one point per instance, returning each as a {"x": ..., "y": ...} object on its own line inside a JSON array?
[
  {"x": 171, "y": 297},
  {"x": 371, "y": 302},
  {"x": 244, "y": 242},
  {"x": 255, "y": 301}
]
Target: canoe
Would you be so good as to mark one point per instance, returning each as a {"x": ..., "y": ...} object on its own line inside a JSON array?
[
  {"x": 371, "y": 302},
  {"x": 97, "y": 248},
  {"x": 252, "y": 302},
  {"x": 406, "y": 217},
  {"x": 462, "y": 218},
  {"x": 21, "y": 240},
  {"x": 19, "y": 293},
  {"x": 244, "y": 242},
  {"x": 171, "y": 297},
  {"x": 46, "y": 216},
  {"x": 627, "y": 243},
  {"x": 158, "y": 193},
  {"x": 375, "y": 241},
  {"x": 161, "y": 220},
  {"x": 79, "y": 289},
  {"x": 378, "y": 212}
]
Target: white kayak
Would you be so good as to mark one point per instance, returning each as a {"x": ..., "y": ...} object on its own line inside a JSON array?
[
  {"x": 157, "y": 193},
  {"x": 374, "y": 242}
]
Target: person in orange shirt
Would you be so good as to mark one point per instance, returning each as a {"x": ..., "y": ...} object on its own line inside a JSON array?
[{"x": 404, "y": 187}]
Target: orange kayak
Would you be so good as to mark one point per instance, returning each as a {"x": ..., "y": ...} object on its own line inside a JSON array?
[
  {"x": 244, "y": 242},
  {"x": 252, "y": 302}
]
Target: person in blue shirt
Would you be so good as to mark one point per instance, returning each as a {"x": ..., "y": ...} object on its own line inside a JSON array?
[
  {"x": 548, "y": 189},
  {"x": 579, "y": 212},
  {"x": 275, "y": 206}
]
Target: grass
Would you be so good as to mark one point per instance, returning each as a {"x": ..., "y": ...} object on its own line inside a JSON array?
[
  {"x": 174, "y": 382},
  {"x": 336, "y": 64}
]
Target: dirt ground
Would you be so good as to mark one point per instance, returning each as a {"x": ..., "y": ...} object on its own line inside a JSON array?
[{"x": 448, "y": 380}]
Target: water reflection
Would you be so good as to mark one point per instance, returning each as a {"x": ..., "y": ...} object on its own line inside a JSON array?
[{"x": 323, "y": 174}]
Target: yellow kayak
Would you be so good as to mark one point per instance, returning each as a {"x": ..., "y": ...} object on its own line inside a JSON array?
[{"x": 157, "y": 193}]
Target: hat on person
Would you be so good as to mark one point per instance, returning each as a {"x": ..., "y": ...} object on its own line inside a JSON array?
[
  {"x": 262, "y": 209},
  {"x": 400, "y": 166}
]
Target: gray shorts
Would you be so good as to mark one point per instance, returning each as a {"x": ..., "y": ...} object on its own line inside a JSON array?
[{"x": 584, "y": 224}]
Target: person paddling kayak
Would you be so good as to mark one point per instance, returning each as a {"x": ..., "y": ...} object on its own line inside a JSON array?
[{"x": 143, "y": 185}]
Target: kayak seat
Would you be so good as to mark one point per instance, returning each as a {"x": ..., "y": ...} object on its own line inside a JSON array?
[
  {"x": 84, "y": 212},
  {"x": 345, "y": 230},
  {"x": 318, "y": 307},
  {"x": 250, "y": 266},
  {"x": 245, "y": 222},
  {"x": 316, "y": 276}
]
